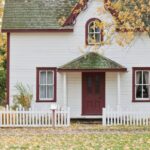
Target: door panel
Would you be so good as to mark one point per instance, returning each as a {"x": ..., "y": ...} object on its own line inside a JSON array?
[{"x": 93, "y": 93}]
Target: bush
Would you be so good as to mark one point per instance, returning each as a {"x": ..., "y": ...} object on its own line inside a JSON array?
[
  {"x": 2, "y": 74},
  {"x": 23, "y": 97},
  {"x": 2, "y": 86}
]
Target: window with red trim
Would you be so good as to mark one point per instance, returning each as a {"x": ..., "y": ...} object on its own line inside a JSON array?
[
  {"x": 46, "y": 84},
  {"x": 141, "y": 84},
  {"x": 94, "y": 34}
]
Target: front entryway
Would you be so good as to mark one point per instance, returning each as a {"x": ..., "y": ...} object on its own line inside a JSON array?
[{"x": 93, "y": 93}]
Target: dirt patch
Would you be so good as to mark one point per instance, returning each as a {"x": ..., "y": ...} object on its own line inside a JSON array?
[{"x": 75, "y": 129}]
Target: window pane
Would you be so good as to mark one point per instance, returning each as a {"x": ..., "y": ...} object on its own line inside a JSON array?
[
  {"x": 91, "y": 38},
  {"x": 97, "y": 84},
  {"x": 138, "y": 91},
  {"x": 139, "y": 77},
  {"x": 43, "y": 91},
  {"x": 97, "y": 37},
  {"x": 49, "y": 77},
  {"x": 43, "y": 77},
  {"x": 89, "y": 84},
  {"x": 50, "y": 91},
  {"x": 91, "y": 27},
  {"x": 145, "y": 77},
  {"x": 97, "y": 29},
  {"x": 145, "y": 91}
]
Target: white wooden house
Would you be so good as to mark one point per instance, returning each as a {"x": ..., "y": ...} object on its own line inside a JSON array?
[{"x": 48, "y": 57}]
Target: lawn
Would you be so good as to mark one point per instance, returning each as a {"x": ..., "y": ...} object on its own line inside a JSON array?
[{"x": 76, "y": 137}]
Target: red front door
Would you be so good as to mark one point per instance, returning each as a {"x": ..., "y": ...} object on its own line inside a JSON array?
[{"x": 93, "y": 90}]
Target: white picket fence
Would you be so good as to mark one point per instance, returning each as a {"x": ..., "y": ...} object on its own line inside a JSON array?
[
  {"x": 33, "y": 118},
  {"x": 125, "y": 117}
]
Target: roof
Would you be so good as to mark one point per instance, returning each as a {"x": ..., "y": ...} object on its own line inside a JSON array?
[
  {"x": 81, "y": 5},
  {"x": 92, "y": 61},
  {"x": 36, "y": 14},
  {"x": 40, "y": 15}
]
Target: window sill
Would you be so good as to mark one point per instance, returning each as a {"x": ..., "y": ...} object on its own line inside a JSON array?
[
  {"x": 137, "y": 101},
  {"x": 94, "y": 44},
  {"x": 45, "y": 101}
]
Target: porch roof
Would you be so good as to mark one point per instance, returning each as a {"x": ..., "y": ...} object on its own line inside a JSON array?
[{"x": 92, "y": 62}]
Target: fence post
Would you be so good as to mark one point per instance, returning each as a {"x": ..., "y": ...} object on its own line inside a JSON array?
[
  {"x": 104, "y": 117},
  {"x": 1, "y": 119},
  {"x": 53, "y": 118},
  {"x": 68, "y": 117},
  {"x": 7, "y": 115}
]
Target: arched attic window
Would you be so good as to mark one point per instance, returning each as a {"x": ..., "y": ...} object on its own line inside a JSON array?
[{"x": 94, "y": 33}]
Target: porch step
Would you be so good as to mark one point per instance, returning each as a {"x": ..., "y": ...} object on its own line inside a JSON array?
[{"x": 87, "y": 121}]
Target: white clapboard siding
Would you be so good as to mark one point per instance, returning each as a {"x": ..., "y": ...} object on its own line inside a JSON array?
[
  {"x": 125, "y": 117},
  {"x": 33, "y": 118},
  {"x": 30, "y": 50}
]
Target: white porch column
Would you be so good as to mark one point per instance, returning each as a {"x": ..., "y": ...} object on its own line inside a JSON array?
[
  {"x": 118, "y": 90},
  {"x": 65, "y": 89}
]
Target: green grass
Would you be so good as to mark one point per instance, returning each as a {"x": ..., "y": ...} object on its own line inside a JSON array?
[{"x": 76, "y": 137}]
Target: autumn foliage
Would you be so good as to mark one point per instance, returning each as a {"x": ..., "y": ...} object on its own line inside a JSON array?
[
  {"x": 2, "y": 60},
  {"x": 130, "y": 17}
]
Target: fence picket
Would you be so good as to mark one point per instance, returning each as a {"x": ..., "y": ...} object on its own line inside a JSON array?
[
  {"x": 31, "y": 118},
  {"x": 7, "y": 122},
  {"x": 68, "y": 118},
  {"x": 128, "y": 117},
  {"x": 23, "y": 117},
  {"x": 1, "y": 118},
  {"x": 11, "y": 115}
]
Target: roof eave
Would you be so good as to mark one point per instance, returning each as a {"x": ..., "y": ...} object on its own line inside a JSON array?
[
  {"x": 93, "y": 70},
  {"x": 75, "y": 12},
  {"x": 37, "y": 30}
]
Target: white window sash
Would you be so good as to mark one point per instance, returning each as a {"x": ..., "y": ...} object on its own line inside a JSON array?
[
  {"x": 142, "y": 84},
  {"x": 94, "y": 33},
  {"x": 46, "y": 99}
]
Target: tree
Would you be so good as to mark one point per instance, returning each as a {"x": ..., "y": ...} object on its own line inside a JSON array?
[
  {"x": 130, "y": 16},
  {"x": 2, "y": 60},
  {"x": 2, "y": 74}
]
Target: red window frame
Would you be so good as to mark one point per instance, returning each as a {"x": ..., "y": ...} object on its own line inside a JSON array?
[
  {"x": 134, "y": 69},
  {"x": 86, "y": 31},
  {"x": 38, "y": 69}
]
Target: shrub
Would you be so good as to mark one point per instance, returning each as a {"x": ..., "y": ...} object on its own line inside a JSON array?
[
  {"x": 23, "y": 97},
  {"x": 2, "y": 86}
]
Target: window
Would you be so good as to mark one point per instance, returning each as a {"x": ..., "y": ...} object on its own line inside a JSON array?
[
  {"x": 89, "y": 84},
  {"x": 46, "y": 84},
  {"x": 94, "y": 32},
  {"x": 141, "y": 89}
]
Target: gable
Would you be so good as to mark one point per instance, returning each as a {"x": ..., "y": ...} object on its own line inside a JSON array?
[
  {"x": 93, "y": 61},
  {"x": 114, "y": 12},
  {"x": 36, "y": 14}
]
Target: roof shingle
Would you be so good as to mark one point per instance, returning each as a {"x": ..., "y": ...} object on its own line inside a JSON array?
[
  {"x": 36, "y": 14},
  {"x": 92, "y": 61}
]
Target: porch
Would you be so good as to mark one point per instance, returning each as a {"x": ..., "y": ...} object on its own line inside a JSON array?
[{"x": 87, "y": 85}]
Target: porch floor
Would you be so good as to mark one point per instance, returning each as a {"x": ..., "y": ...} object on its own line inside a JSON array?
[{"x": 88, "y": 117}]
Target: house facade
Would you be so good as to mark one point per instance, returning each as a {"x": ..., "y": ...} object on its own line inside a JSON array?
[{"x": 54, "y": 61}]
